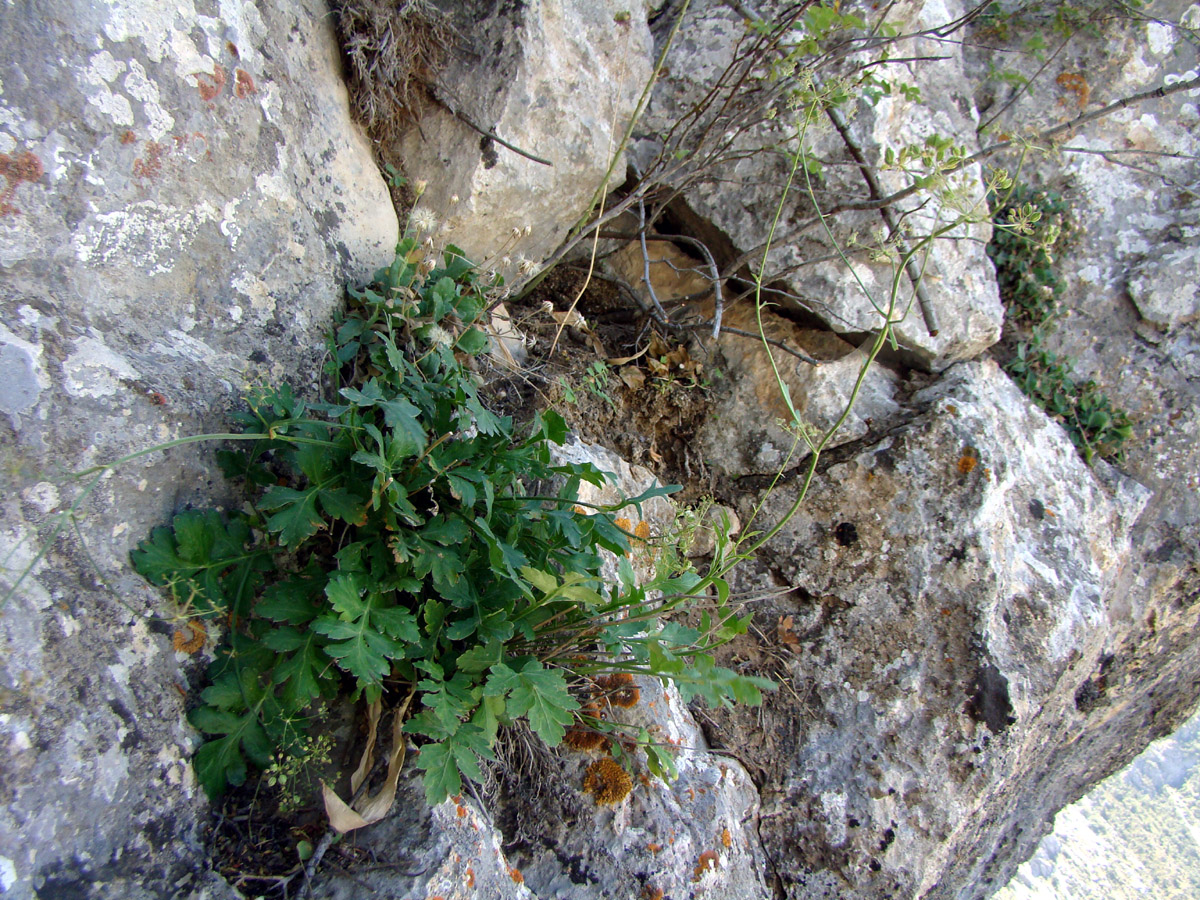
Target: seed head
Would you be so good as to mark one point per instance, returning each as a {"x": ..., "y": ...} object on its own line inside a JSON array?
[{"x": 424, "y": 220}]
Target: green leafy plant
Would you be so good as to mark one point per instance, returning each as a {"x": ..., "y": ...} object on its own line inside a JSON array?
[
  {"x": 402, "y": 537},
  {"x": 1031, "y": 226},
  {"x": 1096, "y": 427}
]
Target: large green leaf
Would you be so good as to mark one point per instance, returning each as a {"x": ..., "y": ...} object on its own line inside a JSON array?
[
  {"x": 538, "y": 693},
  {"x": 369, "y": 630},
  {"x": 206, "y": 560},
  {"x": 303, "y": 669},
  {"x": 446, "y": 763}
]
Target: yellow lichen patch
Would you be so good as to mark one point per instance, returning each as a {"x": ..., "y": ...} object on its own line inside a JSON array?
[
  {"x": 620, "y": 690},
  {"x": 607, "y": 782},
  {"x": 583, "y": 739},
  {"x": 708, "y": 862},
  {"x": 190, "y": 637},
  {"x": 642, "y": 531},
  {"x": 726, "y": 838}
]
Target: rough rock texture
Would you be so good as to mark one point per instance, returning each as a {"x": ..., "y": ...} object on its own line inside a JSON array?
[
  {"x": 744, "y": 431},
  {"x": 737, "y": 200},
  {"x": 184, "y": 197},
  {"x": 557, "y": 78},
  {"x": 948, "y": 591},
  {"x": 975, "y": 627},
  {"x": 1129, "y": 324},
  {"x": 745, "y": 434}
]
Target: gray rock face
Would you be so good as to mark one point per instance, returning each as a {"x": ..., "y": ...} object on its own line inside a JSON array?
[
  {"x": 745, "y": 432},
  {"x": 184, "y": 196},
  {"x": 1129, "y": 325},
  {"x": 557, "y": 78},
  {"x": 947, "y": 591},
  {"x": 974, "y": 628}
]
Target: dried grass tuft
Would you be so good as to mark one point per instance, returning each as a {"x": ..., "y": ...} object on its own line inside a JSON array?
[{"x": 393, "y": 48}]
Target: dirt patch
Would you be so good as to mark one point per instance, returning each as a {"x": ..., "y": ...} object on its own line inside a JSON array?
[{"x": 647, "y": 408}]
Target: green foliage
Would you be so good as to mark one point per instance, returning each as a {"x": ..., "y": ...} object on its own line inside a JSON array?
[
  {"x": 1038, "y": 22},
  {"x": 395, "y": 539},
  {"x": 1096, "y": 427},
  {"x": 1030, "y": 227}
]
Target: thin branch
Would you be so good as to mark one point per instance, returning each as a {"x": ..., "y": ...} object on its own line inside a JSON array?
[
  {"x": 1019, "y": 92},
  {"x": 1157, "y": 93},
  {"x": 646, "y": 260},
  {"x": 447, "y": 98},
  {"x": 889, "y": 218},
  {"x": 714, "y": 275},
  {"x": 725, "y": 329}
]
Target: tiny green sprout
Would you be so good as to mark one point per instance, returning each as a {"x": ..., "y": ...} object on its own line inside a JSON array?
[{"x": 622, "y": 17}]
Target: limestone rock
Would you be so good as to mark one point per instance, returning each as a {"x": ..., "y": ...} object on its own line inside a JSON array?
[
  {"x": 745, "y": 432},
  {"x": 1165, "y": 289},
  {"x": 949, "y": 590},
  {"x": 557, "y": 78},
  {"x": 184, "y": 197},
  {"x": 1134, "y": 240}
]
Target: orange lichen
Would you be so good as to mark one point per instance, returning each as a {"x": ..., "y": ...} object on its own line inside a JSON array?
[
  {"x": 650, "y": 892},
  {"x": 623, "y": 523},
  {"x": 149, "y": 166},
  {"x": 967, "y": 464},
  {"x": 515, "y": 874},
  {"x": 607, "y": 782},
  {"x": 708, "y": 862},
  {"x": 128, "y": 137},
  {"x": 619, "y": 689},
  {"x": 470, "y": 877},
  {"x": 642, "y": 531},
  {"x": 190, "y": 637},
  {"x": 1077, "y": 85},
  {"x": 654, "y": 848},
  {"x": 726, "y": 838},
  {"x": 24, "y": 167},
  {"x": 243, "y": 84},
  {"x": 582, "y": 739},
  {"x": 210, "y": 85}
]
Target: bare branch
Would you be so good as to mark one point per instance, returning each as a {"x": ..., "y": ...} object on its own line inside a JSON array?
[
  {"x": 889, "y": 218},
  {"x": 1164, "y": 90}
]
